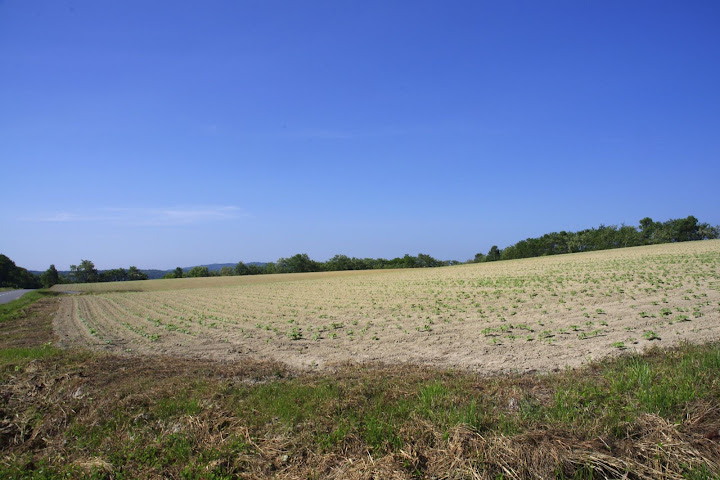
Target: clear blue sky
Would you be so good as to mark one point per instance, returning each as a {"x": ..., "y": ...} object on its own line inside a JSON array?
[{"x": 176, "y": 133}]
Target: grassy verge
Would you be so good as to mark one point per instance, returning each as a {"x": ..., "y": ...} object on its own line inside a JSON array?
[
  {"x": 77, "y": 414},
  {"x": 16, "y": 308}
]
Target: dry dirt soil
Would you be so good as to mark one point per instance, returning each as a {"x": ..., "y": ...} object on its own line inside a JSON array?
[{"x": 537, "y": 314}]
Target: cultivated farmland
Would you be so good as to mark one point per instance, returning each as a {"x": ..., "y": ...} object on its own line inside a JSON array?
[{"x": 534, "y": 314}]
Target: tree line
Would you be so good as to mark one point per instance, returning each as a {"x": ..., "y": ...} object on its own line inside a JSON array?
[
  {"x": 302, "y": 263},
  {"x": 648, "y": 232},
  {"x": 85, "y": 272}
]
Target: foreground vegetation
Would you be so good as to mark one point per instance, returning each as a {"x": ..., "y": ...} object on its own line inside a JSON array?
[{"x": 80, "y": 414}]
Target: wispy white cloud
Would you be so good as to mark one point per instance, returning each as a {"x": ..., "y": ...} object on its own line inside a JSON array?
[
  {"x": 62, "y": 217},
  {"x": 145, "y": 216}
]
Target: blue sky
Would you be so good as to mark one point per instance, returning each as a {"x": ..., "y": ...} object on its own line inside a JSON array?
[{"x": 163, "y": 134}]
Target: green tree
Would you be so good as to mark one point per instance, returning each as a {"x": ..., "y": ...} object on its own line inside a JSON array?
[
  {"x": 269, "y": 267},
  {"x": 84, "y": 273},
  {"x": 254, "y": 269},
  {"x": 17, "y": 277},
  {"x": 178, "y": 273},
  {"x": 297, "y": 264},
  {"x": 425, "y": 261},
  {"x": 338, "y": 263},
  {"x": 628, "y": 236},
  {"x": 685, "y": 229},
  {"x": 647, "y": 229},
  {"x": 50, "y": 277},
  {"x": 134, "y": 273},
  {"x": 199, "y": 272},
  {"x": 226, "y": 271},
  {"x": 7, "y": 272},
  {"x": 493, "y": 254},
  {"x": 708, "y": 232},
  {"x": 242, "y": 269},
  {"x": 114, "y": 275},
  {"x": 479, "y": 258}
]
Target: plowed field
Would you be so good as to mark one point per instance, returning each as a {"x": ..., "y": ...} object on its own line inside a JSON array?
[{"x": 534, "y": 314}]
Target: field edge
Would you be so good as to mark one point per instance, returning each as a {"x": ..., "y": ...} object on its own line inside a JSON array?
[{"x": 94, "y": 415}]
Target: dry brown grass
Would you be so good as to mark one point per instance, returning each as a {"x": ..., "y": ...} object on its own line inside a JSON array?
[
  {"x": 99, "y": 415},
  {"x": 71, "y": 393}
]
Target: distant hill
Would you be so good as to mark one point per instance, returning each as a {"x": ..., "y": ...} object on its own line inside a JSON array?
[
  {"x": 215, "y": 267},
  {"x": 155, "y": 273}
]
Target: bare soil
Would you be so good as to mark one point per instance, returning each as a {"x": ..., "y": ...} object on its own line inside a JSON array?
[{"x": 540, "y": 314}]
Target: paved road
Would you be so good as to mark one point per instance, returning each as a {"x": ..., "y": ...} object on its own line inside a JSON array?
[{"x": 11, "y": 295}]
